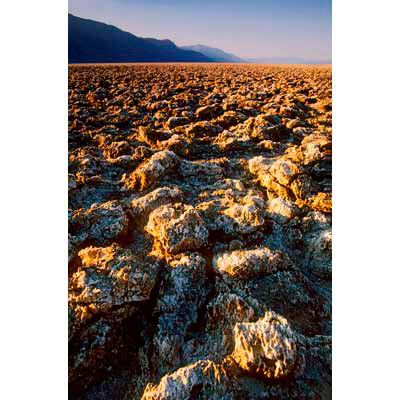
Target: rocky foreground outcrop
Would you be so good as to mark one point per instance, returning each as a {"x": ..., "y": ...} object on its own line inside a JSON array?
[{"x": 200, "y": 200}]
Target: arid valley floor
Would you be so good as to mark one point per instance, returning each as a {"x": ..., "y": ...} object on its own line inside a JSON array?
[{"x": 199, "y": 232}]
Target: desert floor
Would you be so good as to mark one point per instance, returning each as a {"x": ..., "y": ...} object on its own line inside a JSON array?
[{"x": 199, "y": 231}]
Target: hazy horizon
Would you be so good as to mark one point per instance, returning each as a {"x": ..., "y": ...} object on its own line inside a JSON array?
[{"x": 251, "y": 29}]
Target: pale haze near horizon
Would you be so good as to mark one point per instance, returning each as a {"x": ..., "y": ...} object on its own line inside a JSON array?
[{"x": 252, "y": 28}]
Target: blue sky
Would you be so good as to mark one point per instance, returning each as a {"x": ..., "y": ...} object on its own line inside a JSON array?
[{"x": 247, "y": 28}]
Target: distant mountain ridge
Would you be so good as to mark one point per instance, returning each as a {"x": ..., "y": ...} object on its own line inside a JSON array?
[
  {"x": 95, "y": 42},
  {"x": 162, "y": 43},
  {"x": 214, "y": 53}
]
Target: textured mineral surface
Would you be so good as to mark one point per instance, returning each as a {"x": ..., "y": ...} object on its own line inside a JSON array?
[{"x": 199, "y": 242}]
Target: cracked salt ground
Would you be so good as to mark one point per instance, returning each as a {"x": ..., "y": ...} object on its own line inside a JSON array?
[{"x": 199, "y": 232}]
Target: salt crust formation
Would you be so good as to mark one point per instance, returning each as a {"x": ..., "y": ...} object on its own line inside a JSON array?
[{"x": 199, "y": 232}]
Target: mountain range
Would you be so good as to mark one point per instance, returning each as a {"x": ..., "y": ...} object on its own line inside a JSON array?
[
  {"x": 96, "y": 42},
  {"x": 214, "y": 54}
]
